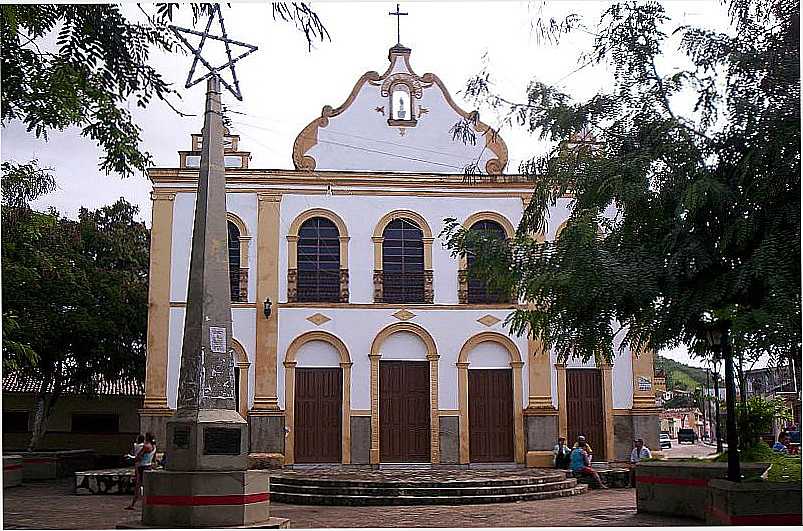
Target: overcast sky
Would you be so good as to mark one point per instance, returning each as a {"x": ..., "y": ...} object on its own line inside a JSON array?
[{"x": 285, "y": 86}]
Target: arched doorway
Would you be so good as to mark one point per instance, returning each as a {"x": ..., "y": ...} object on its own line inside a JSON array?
[
  {"x": 490, "y": 396},
  {"x": 404, "y": 408},
  {"x": 317, "y": 387}
]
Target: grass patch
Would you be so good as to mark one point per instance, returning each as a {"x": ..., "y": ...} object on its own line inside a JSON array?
[{"x": 785, "y": 468}]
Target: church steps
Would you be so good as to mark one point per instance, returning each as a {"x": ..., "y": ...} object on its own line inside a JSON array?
[
  {"x": 339, "y": 492},
  {"x": 313, "y": 482},
  {"x": 394, "y": 490},
  {"x": 313, "y": 499}
]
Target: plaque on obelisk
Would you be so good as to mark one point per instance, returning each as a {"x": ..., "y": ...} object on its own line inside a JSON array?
[{"x": 206, "y": 481}]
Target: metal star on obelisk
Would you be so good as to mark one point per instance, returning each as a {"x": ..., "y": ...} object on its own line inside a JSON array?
[{"x": 213, "y": 70}]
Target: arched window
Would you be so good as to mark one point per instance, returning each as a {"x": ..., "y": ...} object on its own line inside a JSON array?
[
  {"x": 478, "y": 291},
  {"x": 318, "y": 261},
  {"x": 403, "y": 262},
  {"x": 234, "y": 261}
]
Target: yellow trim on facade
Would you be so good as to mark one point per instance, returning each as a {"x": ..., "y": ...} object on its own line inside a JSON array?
[
  {"x": 267, "y": 286},
  {"x": 159, "y": 300}
]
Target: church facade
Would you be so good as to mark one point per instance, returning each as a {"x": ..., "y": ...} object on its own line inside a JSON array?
[{"x": 358, "y": 338}]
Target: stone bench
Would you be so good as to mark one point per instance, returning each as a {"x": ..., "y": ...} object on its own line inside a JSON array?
[{"x": 108, "y": 481}]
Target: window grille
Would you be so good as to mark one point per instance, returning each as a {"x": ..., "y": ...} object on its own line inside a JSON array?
[
  {"x": 478, "y": 291},
  {"x": 234, "y": 261},
  {"x": 403, "y": 262},
  {"x": 318, "y": 261}
]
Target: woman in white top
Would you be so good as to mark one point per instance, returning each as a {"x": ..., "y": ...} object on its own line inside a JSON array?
[{"x": 142, "y": 462}]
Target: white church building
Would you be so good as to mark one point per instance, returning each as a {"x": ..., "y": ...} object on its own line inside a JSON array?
[{"x": 359, "y": 338}]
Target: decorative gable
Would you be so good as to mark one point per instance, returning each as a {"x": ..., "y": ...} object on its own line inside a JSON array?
[{"x": 399, "y": 122}]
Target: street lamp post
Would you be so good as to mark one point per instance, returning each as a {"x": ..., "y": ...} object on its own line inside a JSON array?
[{"x": 718, "y": 338}]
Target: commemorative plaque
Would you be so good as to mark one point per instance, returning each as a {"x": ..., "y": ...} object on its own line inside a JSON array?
[{"x": 221, "y": 441}]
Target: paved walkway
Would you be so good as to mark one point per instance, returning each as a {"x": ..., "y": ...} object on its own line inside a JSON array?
[{"x": 51, "y": 505}]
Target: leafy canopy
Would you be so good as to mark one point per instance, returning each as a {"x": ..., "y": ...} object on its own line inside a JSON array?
[
  {"x": 99, "y": 63},
  {"x": 74, "y": 292},
  {"x": 675, "y": 213}
]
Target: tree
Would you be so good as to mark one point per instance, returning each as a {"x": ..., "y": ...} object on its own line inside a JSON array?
[
  {"x": 676, "y": 214},
  {"x": 100, "y": 64},
  {"x": 77, "y": 291}
]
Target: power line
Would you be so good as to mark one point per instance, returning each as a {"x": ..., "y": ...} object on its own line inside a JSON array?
[
  {"x": 412, "y": 148},
  {"x": 369, "y": 150}
]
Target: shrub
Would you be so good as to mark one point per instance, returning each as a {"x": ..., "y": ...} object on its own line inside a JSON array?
[{"x": 756, "y": 417}]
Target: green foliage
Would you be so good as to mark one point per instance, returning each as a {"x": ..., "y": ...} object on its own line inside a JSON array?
[
  {"x": 99, "y": 65},
  {"x": 674, "y": 215},
  {"x": 74, "y": 295},
  {"x": 756, "y": 416},
  {"x": 785, "y": 468}
]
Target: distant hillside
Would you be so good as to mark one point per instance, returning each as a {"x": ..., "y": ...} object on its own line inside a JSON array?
[{"x": 680, "y": 375}]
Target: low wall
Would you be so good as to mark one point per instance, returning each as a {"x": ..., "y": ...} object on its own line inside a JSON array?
[
  {"x": 680, "y": 488},
  {"x": 12, "y": 470},
  {"x": 753, "y": 503},
  {"x": 56, "y": 464}
]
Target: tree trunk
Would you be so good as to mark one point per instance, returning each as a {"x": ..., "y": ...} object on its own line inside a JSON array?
[{"x": 45, "y": 402}]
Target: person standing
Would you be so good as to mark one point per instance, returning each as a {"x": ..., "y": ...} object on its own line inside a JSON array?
[
  {"x": 638, "y": 453},
  {"x": 142, "y": 462},
  {"x": 560, "y": 454}
]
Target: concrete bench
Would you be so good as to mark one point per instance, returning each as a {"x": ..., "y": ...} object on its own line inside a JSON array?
[{"x": 108, "y": 481}]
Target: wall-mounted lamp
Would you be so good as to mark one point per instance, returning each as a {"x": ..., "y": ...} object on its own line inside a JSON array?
[{"x": 266, "y": 306}]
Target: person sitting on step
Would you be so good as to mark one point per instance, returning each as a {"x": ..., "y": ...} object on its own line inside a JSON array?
[
  {"x": 580, "y": 463},
  {"x": 582, "y": 439},
  {"x": 560, "y": 454}
]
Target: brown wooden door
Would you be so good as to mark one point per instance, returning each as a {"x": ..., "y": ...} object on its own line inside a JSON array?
[
  {"x": 585, "y": 409},
  {"x": 318, "y": 414},
  {"x": 404, "y": 435},
  {"x": 490, "y": 415}
]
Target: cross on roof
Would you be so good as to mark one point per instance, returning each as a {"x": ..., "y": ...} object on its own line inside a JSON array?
[
  {"x": 398, "y": 16},
  {"x": 213, "y": 71}
]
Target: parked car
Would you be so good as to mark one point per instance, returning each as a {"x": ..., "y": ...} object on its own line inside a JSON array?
[
  {"x": 665, "y": 441},
  {"x": 686, "y": 435}
]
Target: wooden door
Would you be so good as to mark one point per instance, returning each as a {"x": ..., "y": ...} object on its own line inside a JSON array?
[
  {"x": 318, "y": 414},
  {"x": 490, "y": 415},
  {"x": 404, "y": 435},
  {"x": 585, "y": 409}
]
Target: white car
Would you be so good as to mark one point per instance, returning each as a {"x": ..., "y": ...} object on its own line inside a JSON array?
[{"x": 665, "y": 441}]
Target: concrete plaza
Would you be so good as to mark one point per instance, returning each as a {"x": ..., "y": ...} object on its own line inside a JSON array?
[{"x": 52, "y": 505}]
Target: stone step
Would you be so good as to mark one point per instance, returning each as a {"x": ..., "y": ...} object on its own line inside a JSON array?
[
  {"x": 317, "y": 499},
  {"x": 421, "y": 483},
  {"x": 393, "y": 490}
]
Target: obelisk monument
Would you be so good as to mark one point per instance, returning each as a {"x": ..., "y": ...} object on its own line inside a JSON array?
[{"x": 206, "y": 481}]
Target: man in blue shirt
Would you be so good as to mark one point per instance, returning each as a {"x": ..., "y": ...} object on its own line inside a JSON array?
[{"x": 781, "y": 445}]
